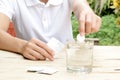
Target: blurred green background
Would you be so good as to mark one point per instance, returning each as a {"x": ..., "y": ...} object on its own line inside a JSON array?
[{"x": 109, "y": 11}]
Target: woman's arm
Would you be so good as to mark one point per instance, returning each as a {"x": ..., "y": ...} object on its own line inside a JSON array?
[{"x": 33, "y": 49}]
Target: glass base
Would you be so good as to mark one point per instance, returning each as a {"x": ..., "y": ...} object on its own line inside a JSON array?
[{"x": 80, "y": 69}]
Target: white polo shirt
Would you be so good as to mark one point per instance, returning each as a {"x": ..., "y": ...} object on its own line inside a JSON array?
[{"x": 34, "y": 19}]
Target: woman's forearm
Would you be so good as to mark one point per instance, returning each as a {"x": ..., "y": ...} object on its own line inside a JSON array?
[
  {"x": 10, "y": 43},
  {"x": 79, "y": 4}
]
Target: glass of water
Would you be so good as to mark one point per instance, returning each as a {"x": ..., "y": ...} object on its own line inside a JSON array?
[{"x": 80, "y": 56}]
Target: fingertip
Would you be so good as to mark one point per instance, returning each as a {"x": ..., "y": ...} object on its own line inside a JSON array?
[
  {"x": 52, "y": 59},
  {"x": 52, "y": 52},
  {"x": 82, "y": 33}
]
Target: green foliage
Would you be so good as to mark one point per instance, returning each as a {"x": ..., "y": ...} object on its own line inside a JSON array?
[
  {"x": 108, "y": 34},
  {"x": 75, "y": 26},
  {"x": 101, "y": 7}
]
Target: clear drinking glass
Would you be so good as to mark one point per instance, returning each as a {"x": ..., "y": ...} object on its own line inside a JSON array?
[{"x": 80, "y": 56}]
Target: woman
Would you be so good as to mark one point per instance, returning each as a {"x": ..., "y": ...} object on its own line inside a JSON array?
[{"x": 37, "y": 21}]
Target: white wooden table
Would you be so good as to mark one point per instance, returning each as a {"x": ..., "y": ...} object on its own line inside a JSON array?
[{"x": 106, "y": 66}]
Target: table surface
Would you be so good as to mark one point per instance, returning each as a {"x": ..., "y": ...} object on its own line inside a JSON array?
[{"x": 106, "y": 66}]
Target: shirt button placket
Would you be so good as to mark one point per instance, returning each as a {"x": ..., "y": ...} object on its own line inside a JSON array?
[{"x": 44, "y": 20}]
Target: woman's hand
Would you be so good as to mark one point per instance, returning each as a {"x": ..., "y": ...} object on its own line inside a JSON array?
[
  {"x": 37, "y": 50},
  {"x": 88, "y": 21}
]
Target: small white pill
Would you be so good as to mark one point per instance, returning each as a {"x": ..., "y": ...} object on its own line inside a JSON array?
[{"x": 80, "y": 38}]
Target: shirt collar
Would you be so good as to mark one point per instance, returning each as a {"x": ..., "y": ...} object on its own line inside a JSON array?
[{"x": 50, "y": 2}]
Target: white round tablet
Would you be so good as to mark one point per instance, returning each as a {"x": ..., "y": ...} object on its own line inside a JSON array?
[{"x": 80, "y": 38}]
